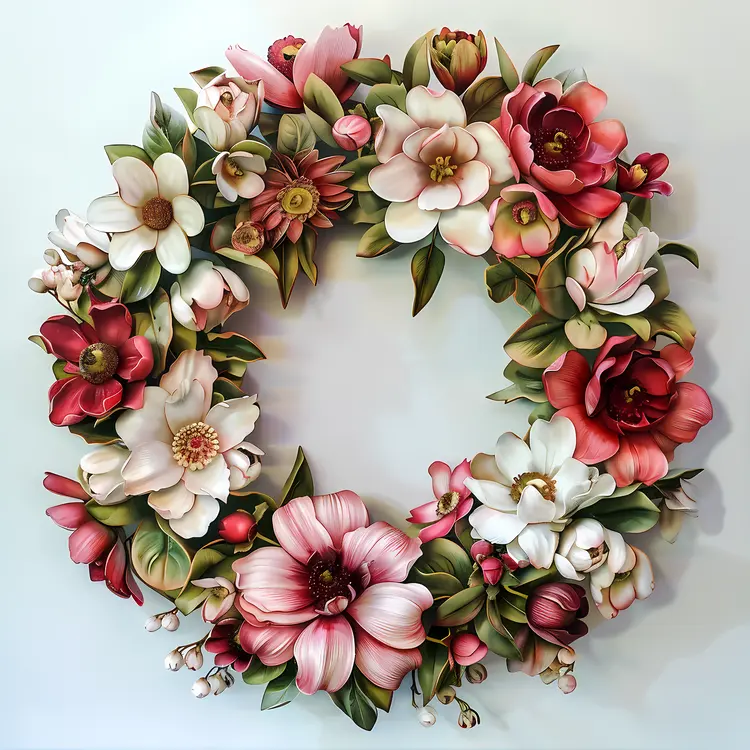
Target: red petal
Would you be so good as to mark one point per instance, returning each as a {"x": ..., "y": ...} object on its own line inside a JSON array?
[
  {"x": 69, "y": 516},
  {"x": 114, "y": 570},
  {"x": 608, "y": 139},
  {"x": 64, "y": 486},
  {"x": 112, "y": 323},
  {"x": 585, "y": 99},
  {"x": 89, "y": 542},
  {"x": 97, "y": 400},
  {"x": 594, "y": 442},
  {"x": 65, "y": 401},
  {"x": 136, "y": 358},
  {"x": 63, "y": 337},
  {"x": 679, "y": 358},
  {"x": 690, "y": 411},
  {"x": 639, "y": 459},
  {"x": 565, "y": 380},
  {"x": 132, "y": 395}
]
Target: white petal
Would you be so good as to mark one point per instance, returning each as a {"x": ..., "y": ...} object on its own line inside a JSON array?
[
  {"x": 565, "y": 569},
  {"x": 601, "y": 486},
  {"x": 185, "y": 406},
  {"x": 575, "y": 290},
  {"x": 173, "y": 249},
  {"x": 150, "y": 467},
  {"x": 172, "y": 502},
  {"x": 514, "y": 550},
  {"x": 213, "y": 480},
  {"x": 407, "y": 222},
  {"x": 494, "y": 526},
  {"x": 196, "y": 521},
  {"x": 642, "y": 575},
  {"x": 104, "y": 459},
  {"x": 216, "y": 130},
  {"x": 467, "y": 229},
  {"x": 110, "y": 213},
  {"x": 127, "y": 247},
  {"x": 551, "y": 443},
  {"x": 397, "y": 127},
  {"x": 467, "y": 146},
  {"x": 611, "y": 229},
  {"x": 492, "y": 494},
  {"x": 439, "y": 195},
  {"x": 171, "y": 175},
  {"x": 189, "y": 214},
  {"x": 413, "y": 144},
  {"x": 539, "y": 542},
  {"x": 226, "y": 188},
  {"x": 191, "y": 365},
  {"x": 513, "y": 457},
  {"x": 401, "y": 179},
  {"x": 233, "y": 420},
  {"x": 250, "y": 185},
  {"x": 533, "y": 508},
  {"x": 492, "y": 151},
  {"x": 135, "y": 179},
  {"x": 589, "y": 533},
  {"x": 572, "y": 483},
  {"x": 641, "y": 299},
  {"x": 148, "y": 423},
  {"x": 582, "y": 267},
  {"x": 181, "y": 310},
  {"x": 433, "y": 110},
  {"x": 618, "y": 550},
  {"x": 473, "y": 180}
]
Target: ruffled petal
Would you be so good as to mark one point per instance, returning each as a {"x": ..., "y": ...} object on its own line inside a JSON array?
[
  {"x": 324, "y": 652},
  {"x": 272, "y": 644},
  {"x": 151, "y": 466},
  {"x": 340, "y": 513},
  {"x": 388, "y": 552},
  {"x": 299, "y": 531},
  {"x": 381, "y": 664},
  {"x": 233, "y": 420}
]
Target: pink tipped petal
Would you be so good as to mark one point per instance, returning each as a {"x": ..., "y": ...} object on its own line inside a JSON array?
[
  {"x": 639, "y": 459},
  {"x": 426, "y": 513},
  {"x": 89, "y": 542},
  {"x": 396, "y": 129},
  {"x": 440, "y": 196},
  {"x": 64, "y": 486},
  {"x": 299, "y": 531},
  {"x": 324, "y": 57},
  {"x": 473, "y": 180},
  {"x": 340, "y": 513},
  {"x": 381, "y": 664},
  {"x": 565, "y": 380},
  {"x": 576, "y": 293},
  {"x": 594, "y": 442},
  {"x": 441, "y": 477},
  {"x": 272, "y": 644},
  {"x": 151, "y": 467},
  {"x": 389, "y": 552},
  {"x": 587, "y": 100},
  {"x": 467, "y": 229},
  {"x": 439, "y": 529},
  {"x": 136, "y": 359},
  {"x": 278, "y": 89},
  {"x": 690, "y": 411},
  {"x": 325, "y": 655},
  {"x": 69, "y": 516},
  {"x": 459, "y": 475},
  {"x": 400, "y": 179}
]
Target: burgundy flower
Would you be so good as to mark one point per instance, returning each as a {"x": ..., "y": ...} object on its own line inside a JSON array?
[
  {"x": 555, "y": 612},
  {"x": 641, "y": 178},
  {"x": 99, "y": 358},
  {"x": 629, "y": 410},
  {"x": 92, "y": 543},
  {"x": 557, "y": 147},
  {"x": 225, "y": 643}
]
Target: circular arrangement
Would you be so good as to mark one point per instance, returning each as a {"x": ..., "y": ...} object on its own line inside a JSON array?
[{"x": 305, "y": 592}]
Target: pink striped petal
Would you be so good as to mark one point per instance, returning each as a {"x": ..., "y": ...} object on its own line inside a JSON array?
[
  {"x": 63, "y": 486},
  {"x": 278, "y": 89},
  {"x": 679, "y": 358},
  {"x": 690, "y": 411},
  {"x": 325, "y": 655},
  {"x": 69, "y": 515},
  {"x": 340, "y": 513},
  {"x": 89, "y": 542},
  {"x": 325, "y": 56},
  {"x": 426, "y": 513},
  {"x": 639, "y": 459},
  {"x": 299, "y": 531},
  {"x": 381, "y": 664},
  {"x": 256, "y": 616},
  {"x": 272, "y": 644},
  {"x": 388, "y": 551}
]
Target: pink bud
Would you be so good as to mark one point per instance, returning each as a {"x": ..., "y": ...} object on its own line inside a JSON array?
[
  {"x": 567, "y": 683},
  {"x": 237, "y": 527},
  {"x": 466, "y": 648},
  {"x": 351, "y": 132},
  {"x": 510, "y": 563},
  {"x": 481, "y": 549},
  {"x": 492, "y": 570}
]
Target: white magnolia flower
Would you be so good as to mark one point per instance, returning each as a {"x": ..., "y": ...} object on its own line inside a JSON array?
[
  {"x": 613, "y": 591},
  {"x": 609, "y": 273},
  {"x": 529, "y": 492},
  {"x": 152, "y": 210},
  {"x": 185, "y": 454},
  {"x": 79, "y": 240},
  {"x": 586, "y": 545},
  {"x": 435, "y": 169},
  {"x": 102, "y": 472},
  {"x": 239, "y": 174}
]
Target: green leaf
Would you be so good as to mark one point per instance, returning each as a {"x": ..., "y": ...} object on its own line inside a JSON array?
[
  {"x": 674, "y": 475},
  {"x": 155, "y": 143},
  {"x": 525, "y": 296},
  {"x": 158, "y": 556},
  {"x": 531, "y": 575},
  {"x": 118, "y": 150},
  {"x": 168, "y": 120},
  {"x": 507, "y": 69},
  {"x": 641, "y": 209},
  {"x": 434, "y": 670},
  {"x": 571, "y": 76},
  {"x": 484, "y": 98},
  {"x": 156, "y": 325},
  {"x": 361, "y": 168},
  {"x": 322, "y": 129},
  {"x": 631, "y": 514},
  {"x": 509, "y": 606},
  {"x": 189, "y": 99},
  {"x": 96, "y": 432},
  {"x": 500, "y": 643},
  {"x": 288, "y": 270},
  {"x": 584, "y": 330},
  {"x": 189, "y": 153},
  {"x": 295, "y": 135},
  {"x": 637, "y": 323},
  {"x": 527, "y": 383},
  {"x": 225, "y": 346},
  {"x": 192, "y": 596},
  {"x": 299, "y": 483},
  {"x": 417, "y": 63},
  {"x": 460, "y": 608},
  {"x": 500, "y": 281},
  {"x": 669, "y": 319},
  {"x": 282, "y": 690},
  {"x": 659, "y": 282},
  {"x": 121, "y": 514},
  {"x": 306, "y": 252},
  {"x": 206, "y": 75},
  {"x": 550, "y": 287},
  {"x": 259, "y": 674},
  {"x": 426, "y": 269},
  {"x": 141, "y": 279},
  {"x": 375, "y": 241},
  {"x": 543, "y": 410},
  {"x": 538, "y": 342},
  {"x": 182, "y": 338},
  {"x": 445, "y": 556},
  {"x": 386, "y": 93},
  {"x": 536, "y": 62},
  {"x": 355, "y": 704},
  {"x": 378, "y": 696},
  {"x": 684, "y": 251},
  {"x": 252, "y": 145},
  {"x": 369, "y": 71},
  {"x": 320, "y": 98},
  {"x": 438, "y": 584}
]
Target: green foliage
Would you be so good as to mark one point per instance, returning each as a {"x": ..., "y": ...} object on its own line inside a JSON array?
[
  {"x": 299, "y": 483},
  {"x": 361, "y": 168},
  {"x": 158, "y": 555},
  {"x": 536, "y": 62},
  {"x": 155, "y": 323},
  {"x": 633, "y": 513},
  {"x": 121, "y": 514},
  {"x": 355, "y": 704},
  {"x": 288, "y": 270},
  {"x": 539, "y": 341},
  {"x": 385, "y": 93},
  {"x": 375, "y": 241},
  {"x": 282, "y": 690},
  {"x": 369, "y": 71},
  {"x": 494, "y": 634},
  {"x": 417, "y": 70},
  {"x": 259, "y": 674},
  {"x": 435, "y": 669},
  {"x": 507, "y": 69},
  {"x": 461, "y": 607},
  {"x": 204, "y": 76},
  {"x": 322, "y": 108},
  {"x": 527, "y": 383},
  {"x": 426, "y": 269},
  {"x": 683, "y": 251},
  {"x": 484, "y": 98},
  {"x": 295, "y": 135},
  {"x": 118, "y": 150},
  {"x": 141, "y": 279}
]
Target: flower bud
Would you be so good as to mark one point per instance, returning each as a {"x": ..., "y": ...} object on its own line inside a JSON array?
[
  {"x": 480, "y": 550},
  {"x": 153, "y": 623},
  {"x": 510, "y": 563},
  {"x": 194, "y": 658},
  {"x": 446, "y": 695},
  {"x": 174, "y": 661},
  {"x": 237, "y": 527},
  {"x": 492, "y": 570},
  {"x": 567, "y": 683},
  {"x": 170, "y": 622},
  {"x": 218, "y": 684},
  {"x": 466, "y": 648},
  {"x": 52, "y": 257},
  {"x": 427, "y": 716},
  {"x": 476, "y": 673},
  {"x": 201, "y": 688},
  {"x": 248, "y": 238},
  {"x": 351, "y": 132},
  {"x": 468, "y": 718}
]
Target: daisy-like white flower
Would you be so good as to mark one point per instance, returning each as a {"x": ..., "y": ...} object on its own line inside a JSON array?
[
  {"x": 529, "y": 492},
  {"x": 151, "y": 211}
]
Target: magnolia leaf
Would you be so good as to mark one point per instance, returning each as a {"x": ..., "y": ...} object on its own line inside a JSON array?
[
  {"x": 192, "y": 596},
  {"x": 295, "y": 135},
  {"x": 141, "y": 279},
  {"x": 641, "y": 209},
  {"x": 543, "y": 410},
  {"x": 526, "y": 297},
  {"x": 299, "y": 483},
  {"x": 356, "y": 705},
  {"x": 96, "y": 432},
  {"x": 460, "y": 608},
  {"x": 361, "y": 168},
  {"x": 386, "y": 93},
  {"x": 484, "y": 98},
  {"x": 375, "y": 241},
  {"x": 320, "y": 98},
  {"x": 159, "y": 332},
  {"x": 378, "y": 696},
  {"x": 684, "y": 251},
  {"x": 571, "y": 76},
  {"x": 155, "y": 142},
  {"x": 527, "y": 383},
  {"x": 204, "y": 76},
  {"x": 282, "y": 690},
  {"x": 259, "y": 674},
  {"x": 434, "y": 669},
  {"x": 550, "y": 287},
  {"x": 253, "y": 146},
  {"x": 438, "y": 584},
  {"x": 637, "y": 323},
  {"x": 669, "y": 319},
  {"x": 444, "y": 556},
  {"x": 229, "y": 345},
  {"x": 426, "y": 269},
  {"x": 322, "y": 129},
  {"x": 369, "y": 71},
  {"x": 117, "y": 151},
  {"x": 659, "y": 282},
  {"x": 288, "y": 270},
  {"x": 536, "y": 62},
  {"x": 417, "y": 63},
  {"x": 631, "y": 514},
  {"x": 499, "y": 642},
  {"x": 507, "y": 69},
  {"x": 584, "y": 331},
  {"x": 158, "y": 556},
  {"x": 306, "y": 245},
  {"x": 189, "y": 99},
  {"x": 500, "y": 280},
  {"x": 120, "y": 514},
  {"x": 538, "y": 342}
]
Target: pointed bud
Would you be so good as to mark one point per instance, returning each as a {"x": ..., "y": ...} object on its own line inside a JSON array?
[
  {"x": 476, "y": 673},
  {"x": 170, "y": 622},
  {"x": 174, "y": 661},
  {"x": 468, "y": 718},
  {"x": 201, "y": 688},
  {"x": 52, "y": 257},
  {"x": 218, "y": 684},
  {"x": 194, "y": 658},
  {"x": 427, "y": 716},
  {"x": 153, "y": 623}
]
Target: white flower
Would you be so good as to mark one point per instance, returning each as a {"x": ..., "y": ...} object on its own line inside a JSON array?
[
  {"x": 239, "y": 174},
  {"x": 182, "y": 449},
  {"x": 434, "y": 170},
  {"x": 79, "y": 240},
  {"x": 615, "y": 591},
  {"x": 221, "y": 595},
  {"x": 152, "y": 211},
  {"x": 528, "y": 493},
  {"x": 102, "y": 472},
  {"x": 586, "y": 545},
  {"x": 609, "y": 274}
]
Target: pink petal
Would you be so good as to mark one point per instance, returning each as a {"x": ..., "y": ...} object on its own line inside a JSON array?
[
  {"x": 575, "y": 290},
  {"x": 608, "y": 139},
  {"x": 278, "y": 89},
  {"x": 133, "y": 395},
  {"x": 473, "y": 180},
  {"x": 256, "y": 616},
  {"x": 467, "y": 649},
  {"x": 438, "y": 529},
  {"x": 441, "y": 476},
  {"x": 426, "y": 513},
  {"x": 565, "y": 380},
  {"x": 89, "y": 542},
  {"x": 63, "y": 337},
  {"x": 69, "y": 515},
  {"x": 594, "y": 442},
  {"x": 381, "y": 664},
  {"x": 65, "y": 401},
  {"x": 112, "y": 323},
  {"x": 639, "y": 459},
  {"x": 690, "y": 411},
  {"x": 97, "y": 400},
  {"x": 587, "y": 100},
  {"x": 679, "y": 358},
  {"x": 115, "y": 568},
  {"x": 459, "y": 475},
  {"x": 400, "y": 179},
  {"x": 622, "y": 594},
  {"x": 325, "y": 56},
  {"x": 272, "y": 644},
  {"x": 136, "y": 359},
  {"x": 325, "y": 655},
  {"x": 63, "y": 486},
  {"x": 563, "y": 181},
  {"x": 340, "y": 513},
  {"x": 299, "y": 531},
  {"x": 392, "y": 613},
  {"x": 388, "y": 551}
]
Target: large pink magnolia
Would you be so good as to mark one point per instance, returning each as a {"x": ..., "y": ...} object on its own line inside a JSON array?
[
  {"x": 556, "y": 146},
  {"x": 291, "y": 61},
  {"x": 332, "y": 596}
]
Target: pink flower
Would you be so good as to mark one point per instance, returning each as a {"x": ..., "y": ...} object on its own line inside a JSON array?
[
  {"x": 453, "y": 500},
  {"x": 556, "y": 146},
  {"x": 332, "y": 595},
  {"x": 555, "y": 612},
  {"x": 225, "y": 644},
  {"x": 524, "y": 222},
  {"x": 642, "y": 177},
  {"x": 466, "y": 649},
  {"x": 221, "y": 595},
  {"x": 629, "y": 410},
  {"x": 99, "y": 358},
  {"x": 352, "y": 132},
  {"x": 291, "y": 61}
]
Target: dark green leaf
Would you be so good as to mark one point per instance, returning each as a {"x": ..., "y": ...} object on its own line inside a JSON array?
[
  {"x": 356, "y": 705},
  {"x": 320, "y": 98},
  {"x": 438, "y": 584},
  {"x": 378, "y": 696},
  {"x": 101, "y": 433},
  {"x": 434, "y": 670},
  {"x": 500, "y": 643},
  {"x": 282, "y": 690},
  {"x": 141, "y": 279},
  {"x": 684, "y": 251},
  {"x": 259, "y": 674},
  {"x": 288, "y": 270},
  {"x": 669, "y": 319},
  {"x": 120, "y": 514},
  {"x": 225, "y": 346},
  {"x": 299, "y": 483},
  {"x": 118, "y": 150},
  {"x": 641, "y": 209},
  {"x": 631, "y": 514},
  {"x": 361, "y": 168},
  {"x": 444, "y": 556},
  {"x": 369, "y": 71},
  {"x": 550, "y": 287},
  {"x": 375, "y": 241},
  {"x": 484, "y": 98},
  {"x": 426, "y": 269},
  {"x": 189, "y": 99},
  {"x": 507, "y": 69},
  {"x": 460, "y": 608},
  {"x": 500, "y": 280},
  {"x": 306, "y": 252},
  {"x": 536, "y": 62}
]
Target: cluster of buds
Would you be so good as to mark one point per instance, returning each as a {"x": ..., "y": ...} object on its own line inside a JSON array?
[
  {"x": 63, "y": 279},
  {"x": 491, "y": 565},
  {"x": 215, "y": 682},
  {"x": 561, "y": 670},
  {"x": 167, "y": 620},
  {"x": 190, "y": 655}
]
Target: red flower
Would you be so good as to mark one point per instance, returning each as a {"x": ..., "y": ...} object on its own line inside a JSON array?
[
  {"x": 299, "y": 191},
  {"x": 630, "y": 410},
  {"x": 555, "y": 612},
  {"x": 641, "y": 178},
  {"x": 224, "y": 642},
  {"x": 92, "y": 543},
  {"x": 556, "y": 145},
  {"x": 99, "y": 357}
]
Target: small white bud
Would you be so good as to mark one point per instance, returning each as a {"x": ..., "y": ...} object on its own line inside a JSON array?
[
  {"x": 201, "y": 688},
  {"x": 153, "y": 623},
  {"x": 567, "y": 683},
  {"x": 52, "y": 257},
  {"x": 174, "y": 661},
  {"x": 170, "y": 622},
  {"x": 427, "y": 716},
  {"x": 194, "y": 658},
  {"x": 218, "y": 684}
]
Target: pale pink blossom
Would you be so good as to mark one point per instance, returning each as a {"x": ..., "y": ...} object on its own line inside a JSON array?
[{"x": 614, "y": 591}]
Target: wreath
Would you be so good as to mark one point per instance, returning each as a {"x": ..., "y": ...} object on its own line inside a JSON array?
[{"x": 304, "y": 592}]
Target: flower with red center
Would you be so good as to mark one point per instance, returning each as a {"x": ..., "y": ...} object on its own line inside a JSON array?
[
  {"x": 225, "y": 644},
  {"x": 332, "y": 595},
  {"x": 642, "y": 177},
  {"x": 91, "y": 542},
  {"x": 555, "y": 612},
  {"x": 453, "y": 500},
  {"x": 556, "y": 146},
  {"x": 106, "y": 365},
  {"x": 299, "y": 191},
  {"x": 630, "y": 410}
]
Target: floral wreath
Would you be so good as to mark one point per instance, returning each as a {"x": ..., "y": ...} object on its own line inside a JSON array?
[{"x": 304, "y": 592}]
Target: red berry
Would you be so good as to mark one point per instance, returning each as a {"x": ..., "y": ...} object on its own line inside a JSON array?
[{"x": 237, "y": 527}]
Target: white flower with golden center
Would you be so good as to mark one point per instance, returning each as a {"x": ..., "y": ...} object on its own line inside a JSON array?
[
  {"x": 184, "y": 453},
  {"x": 151, "y": 211},
  {"x": 239, "y": 174}
]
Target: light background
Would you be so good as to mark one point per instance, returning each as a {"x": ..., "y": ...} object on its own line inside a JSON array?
[{"x": 371, "y": 394}]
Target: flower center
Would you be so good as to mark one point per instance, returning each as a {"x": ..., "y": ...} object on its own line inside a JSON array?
[
  {"x": 447, "y": 503},
  {"x": 329, "y": 579},
  {"x": 226, "y": 99},
  {"x": 220, "y": 591},
  {"x": 98, "y": 363},
  {"x": 554, "y": 149},
  {"x": 442, "y": 168},
  {"x": 524, "y": 212},
  {"x": 640, "y": 173},
  {"x": 597, "y": 554},
  {"x": 543, "y": 483},
  {"x": 619, "y": 248},
  {"x": 233, "y": 168},
  {"x": 299, "y": 200},
  {"x": 282, "y": 53},
  {"x": 248, "y": 238},
  {"x": 195, "y": 446},
  {"x": 627, "y": 402},
  {"x": 157, "y": 213}
]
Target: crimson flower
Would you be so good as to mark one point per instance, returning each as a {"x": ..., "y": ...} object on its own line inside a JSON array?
[
  {"x": 629, "y": 410},
  {"x": 225, "y": 643},
  {"x": 641, "y": 178},
  {"x": 555, "y": 612},
  {"x": 92, "y": 543},
  {"x": 99, "y": 357},
  {"x": 557, "y": 147}
]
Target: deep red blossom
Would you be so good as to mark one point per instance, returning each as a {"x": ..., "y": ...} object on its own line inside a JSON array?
[
  {"x": 642, "y": 177},
  {"x": 555, "y": 612},
  {"x": 224, "y": 643}
]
